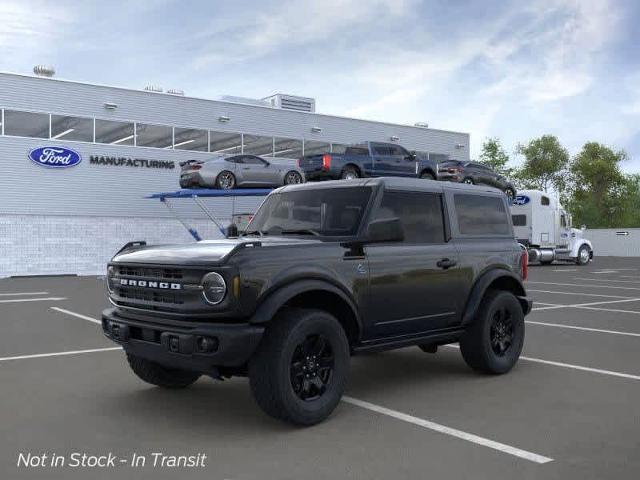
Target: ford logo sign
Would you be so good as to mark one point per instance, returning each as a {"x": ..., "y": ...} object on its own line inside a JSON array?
[
  {"x": 521, "y": 200},
  {"x": 55, "y": 157}
]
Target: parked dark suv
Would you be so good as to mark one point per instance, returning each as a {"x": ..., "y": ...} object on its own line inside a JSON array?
[
  {"x": 474, "y": 173},
  {"x": 325, "y": 271}
]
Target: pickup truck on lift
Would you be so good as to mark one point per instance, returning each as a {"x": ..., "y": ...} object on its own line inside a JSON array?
[{"x": 369, "y": 159}]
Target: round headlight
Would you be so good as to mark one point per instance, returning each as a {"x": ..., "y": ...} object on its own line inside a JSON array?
[{"x": 214, "y": 288}]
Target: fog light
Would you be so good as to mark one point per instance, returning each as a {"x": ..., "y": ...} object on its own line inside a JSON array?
[
  {"x": 214, "y": 288},
  {"x": 206, "y": 344}
]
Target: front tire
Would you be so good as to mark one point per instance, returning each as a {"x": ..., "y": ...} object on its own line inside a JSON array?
[
  {"x": 160, "y": 376},
  {"x": 584, "y": 255},
  {"x": 225, "y": 180},
  {"x": 493, "y": 342},
  {"x": 299, "y": 372}
]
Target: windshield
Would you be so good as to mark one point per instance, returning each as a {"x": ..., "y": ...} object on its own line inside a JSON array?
[{"x": 335, "y": 212}]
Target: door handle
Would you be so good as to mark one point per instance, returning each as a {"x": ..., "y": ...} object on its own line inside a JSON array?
[{"x": 446, "y": 263}]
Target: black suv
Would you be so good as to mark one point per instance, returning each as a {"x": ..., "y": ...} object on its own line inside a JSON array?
[
  {"x": 325, "y": 271},
  {"x": 476, "y": 174}
]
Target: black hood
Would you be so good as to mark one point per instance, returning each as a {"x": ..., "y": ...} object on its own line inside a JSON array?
[{"x": 204, "y": 252}]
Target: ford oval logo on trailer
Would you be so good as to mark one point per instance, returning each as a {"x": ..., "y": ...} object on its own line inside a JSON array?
[
  {"x": 55, "y": 157},
  {"x": 521, "y": 200}
]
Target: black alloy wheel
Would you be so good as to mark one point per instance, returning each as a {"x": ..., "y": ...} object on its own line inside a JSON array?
[
  {"x": 501, "y": 332},
  {"x": 311, "y": 367}
]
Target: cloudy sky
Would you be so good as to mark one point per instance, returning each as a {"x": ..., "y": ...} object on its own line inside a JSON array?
[{"x": 511, "y": 69}]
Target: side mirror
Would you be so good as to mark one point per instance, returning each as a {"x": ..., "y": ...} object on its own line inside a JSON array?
[
  {"x": 385, "y": 230},
  {"x": 232, "y": 231}
]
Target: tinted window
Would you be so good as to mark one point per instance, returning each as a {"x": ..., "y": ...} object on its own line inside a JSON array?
[
  {"x": 234, "y": 160},
  {"x": 26, "y": 124},
  {"x": 544, "y": 200},
  {"x": 419, "y": 213},
  {"x": 480, "y": 215},
  {"x": 381, "y": 150},
  {"x": 397, "y": 150},
  {"x": 519, "y": 220},
  {"x": 329, "y": 212},
  {"x": 71, "y": 128},
  {"x": 357, "y": 150},
  {"x": 248, "y": 159},
  {"x": 338, "y": 148}
]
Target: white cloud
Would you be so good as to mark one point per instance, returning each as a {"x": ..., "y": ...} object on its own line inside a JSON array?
[{"x": 29, "y": 25}]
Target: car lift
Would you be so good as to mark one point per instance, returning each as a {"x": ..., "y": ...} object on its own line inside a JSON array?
[{"x": 197, "y": 194}]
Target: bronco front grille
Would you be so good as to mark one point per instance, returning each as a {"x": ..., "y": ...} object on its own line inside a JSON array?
[{"x": 158, "y": 289}]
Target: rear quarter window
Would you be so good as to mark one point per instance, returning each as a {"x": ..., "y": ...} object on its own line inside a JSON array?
[{"x": 482, "y": 215}]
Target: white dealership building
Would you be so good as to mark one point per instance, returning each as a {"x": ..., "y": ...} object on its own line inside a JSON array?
[{"x": 126, "y": 144}]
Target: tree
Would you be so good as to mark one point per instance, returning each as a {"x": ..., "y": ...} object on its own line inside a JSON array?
[
  {"x": 494, "y": 156},
  {"x": 545, "y": 164},
  {"x": 602, "y": 195}
]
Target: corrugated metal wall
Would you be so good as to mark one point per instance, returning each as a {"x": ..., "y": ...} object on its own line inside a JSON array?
[{"x": 615, "y": 242}]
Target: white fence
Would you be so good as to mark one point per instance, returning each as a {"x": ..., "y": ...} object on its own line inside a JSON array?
[{"x": 615, "y": 242}]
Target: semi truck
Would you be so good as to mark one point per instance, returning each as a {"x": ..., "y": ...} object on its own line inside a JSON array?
[{"x": 545, "y": 229}]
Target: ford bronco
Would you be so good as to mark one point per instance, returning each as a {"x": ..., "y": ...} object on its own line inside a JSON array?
[{"x": 325, "y": 271}]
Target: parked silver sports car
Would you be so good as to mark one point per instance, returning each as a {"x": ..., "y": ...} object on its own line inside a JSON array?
[{"x": 226, "y": 172}]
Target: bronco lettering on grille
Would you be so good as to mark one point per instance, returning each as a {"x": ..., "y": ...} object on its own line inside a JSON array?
[{"x": 145, "y": 284}]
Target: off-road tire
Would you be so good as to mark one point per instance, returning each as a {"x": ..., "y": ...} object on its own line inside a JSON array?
[
  {"x": 270, "y": 367},
  {"x": 476, "y": 345},
  {"x": 349, "y": 172},
  {"x": 156, "y": 374},
  {"x": 579, "y": 258}
]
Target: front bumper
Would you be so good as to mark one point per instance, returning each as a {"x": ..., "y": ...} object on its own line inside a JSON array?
[{"x": 180, "y": 347}]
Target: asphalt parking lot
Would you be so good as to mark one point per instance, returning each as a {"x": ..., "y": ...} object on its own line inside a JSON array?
[{"x": 570, "y": 409}]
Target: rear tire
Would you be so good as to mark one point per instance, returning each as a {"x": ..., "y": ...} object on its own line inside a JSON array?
[
  {"x": 299, "y": 372},
  {"x": 468, "y": 181},
  {"x": 493, "y": 342},
  {"x": 160, "y": 376},
  {"x": 427, "y": 176},
  {"x": 225, "y": 180},
  {"x": 293, "y": 178},
  {"x": 349, "y": 173}
]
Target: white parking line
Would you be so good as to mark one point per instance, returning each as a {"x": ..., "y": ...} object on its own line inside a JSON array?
[
  {"x": 608, "y": 280},
  {"x": 78, "y": 315},
  {"x": 614, "y": 310},
  {"x": 22, "y": 293},
  {"x": 588, "y": 286},
  {"x": 469, "y": 437},
  {"x": 19, "y": 300},
  {"x": 584, "y": 329},
  {"x": 59, "y": 354},
  {"x": 585, "y": 305},
  {"x": 564, "y": 270},
  {"x": 572, "y": 366},
  {"x": 576, "y": 293}
]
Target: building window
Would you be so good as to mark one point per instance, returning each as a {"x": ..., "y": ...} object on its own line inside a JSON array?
[
  {"x": 26, "y": 124},
  {"x": 114, "y": 133},
  {"x": 257, "y": 145},
  {"x": 225, "y": 143},
  {"x": 287, "y": 148},
  {"x": 312, "y": 147},
  {"x": 338, "y": 148},
  {"x": 71, "y": 128},
  {"x": 190, "y": 139},
  {"x": 157, "y": 136}
]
